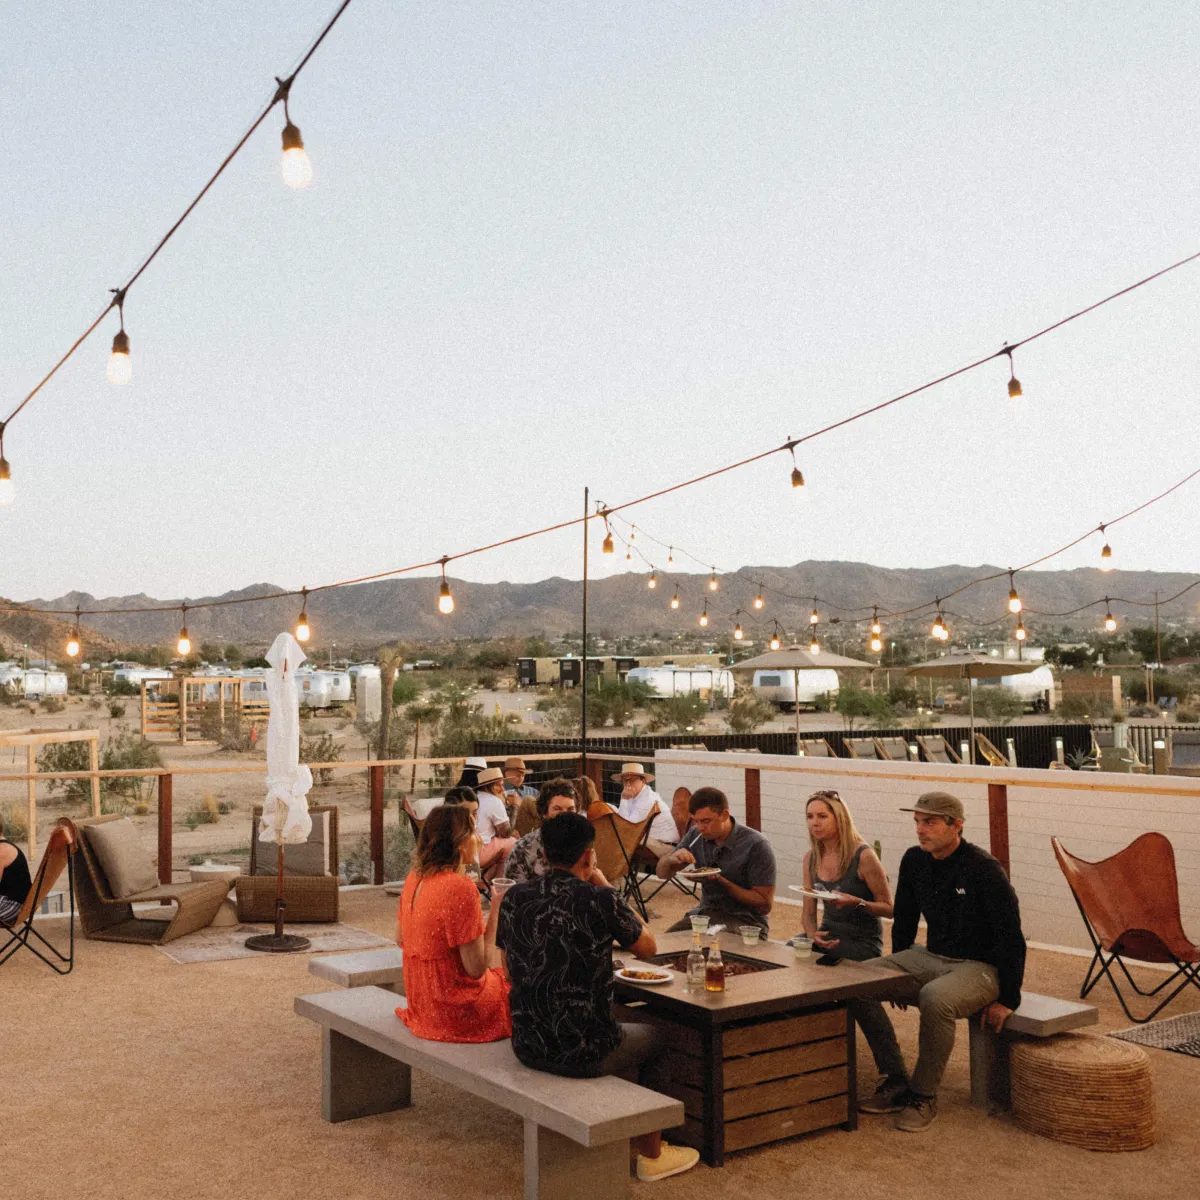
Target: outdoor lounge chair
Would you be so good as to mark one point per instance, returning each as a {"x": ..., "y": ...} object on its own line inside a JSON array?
[
  {"x": 1130, "y": 907},
  {"x": 936, "y": 749},
  {"x": 893, "y": 749},
  {"x": 310, "y": 873},
  {"x": 617, "y": 844},
  {"x": 988, "y": 751},
  {"x": 863, "y": 747},
  {"x": 817, "y": 748},
  {"x": 1185, "y": 752},
  {"x": 56, "y": 858},
  {"x": 414, "y": 822},
  {"x": 109, "y": 918}
]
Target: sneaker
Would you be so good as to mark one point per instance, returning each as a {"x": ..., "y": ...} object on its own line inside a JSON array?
[
  {"x": 673, "y": 1160},
  {"x": 919, "y": 1113},
  {"x": 888, "y": 1097}
]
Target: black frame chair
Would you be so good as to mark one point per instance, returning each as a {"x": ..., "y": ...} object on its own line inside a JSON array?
[{"x": 23, "y": 930}]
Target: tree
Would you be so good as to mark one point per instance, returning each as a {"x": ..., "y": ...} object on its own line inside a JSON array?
[
  {"x": 677, "y": 713},
  {"x": 998, "y": 704},
  {"x": 390, "y": 660},
  {"x": 748, "y": 712},
  {"x": 854, "y": 703}
]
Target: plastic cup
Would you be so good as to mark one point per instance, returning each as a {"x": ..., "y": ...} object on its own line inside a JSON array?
[
  {"x": 803, "y": 947},
  {"x": 500, "y": 886},
  {"x": 699, "y": 924},
  {"x": 750, "y": 934}
]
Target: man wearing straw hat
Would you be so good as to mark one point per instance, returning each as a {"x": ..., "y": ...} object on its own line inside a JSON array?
[
  {"x": 973, "y": 960},
  {"x": 638, "y": 801}
]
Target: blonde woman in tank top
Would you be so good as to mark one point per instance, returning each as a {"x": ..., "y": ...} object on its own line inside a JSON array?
[{"x": 840, "y": 861}]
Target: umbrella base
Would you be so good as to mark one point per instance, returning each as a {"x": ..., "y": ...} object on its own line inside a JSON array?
[{"x": 277, "y": 943}]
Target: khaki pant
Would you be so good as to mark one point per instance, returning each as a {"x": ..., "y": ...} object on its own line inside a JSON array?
[{"x": 945, "y": 990}]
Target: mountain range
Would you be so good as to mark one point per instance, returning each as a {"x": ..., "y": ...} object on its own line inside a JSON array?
[{"x": 373, "y": 613}]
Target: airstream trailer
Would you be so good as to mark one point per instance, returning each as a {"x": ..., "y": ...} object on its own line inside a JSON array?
[
  {"x": 323, "y": 689},
  {"x": 790, "y": 688},
  {"x": 706, "y": 682},
  {"x": 1034, "y": 688}
]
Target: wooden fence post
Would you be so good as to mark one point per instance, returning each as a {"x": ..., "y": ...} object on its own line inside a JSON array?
[
  {"x": 376, "y": 774},
  {"x": 754, "y": 798},
  {"x": 595, "y": 770},
  {"x": 94, "y": 766},
  {"x": 998, "y": 823},
  {"x": 31, "y": 799},
  {"x": 165, "y": 846}
]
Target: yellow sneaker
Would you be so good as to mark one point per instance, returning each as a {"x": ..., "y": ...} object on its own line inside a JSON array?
[{"x": 673, "y": 1160}]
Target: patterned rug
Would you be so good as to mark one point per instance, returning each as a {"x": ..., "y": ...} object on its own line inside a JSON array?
[
  {"x": 216, "y": 945},
  {"x": 1181, "y": 1034}
]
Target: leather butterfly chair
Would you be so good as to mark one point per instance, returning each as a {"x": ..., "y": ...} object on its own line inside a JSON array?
[
  {"x": 682, "y": 817},
  {"x": 56, "y": 858},
  {"x": 1130, "y": 908}
]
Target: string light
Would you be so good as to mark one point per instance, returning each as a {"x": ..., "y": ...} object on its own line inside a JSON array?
[
  {"x": 1014, "y": 384},
  {"x": 296, "y": 165},
  {"x": 607, "y": 546},
  {"x": 737, "y": 633},
  {"x": 73, "y": 640},
  {"x": 939, "y": 629},
  {"x": 120, "y": 369},
  {"x": 813, "y": 617},
  {"x": 675, "y": 599},
  {"x": 712, "y": 583},
  {"x": 652, "y": 582},
  {"x": 7, "y": 491},
  {"x": 184, "y": 645},
  {"x": 1020, "y": 630},
  {"x": 303, "y": 633},
  {"x": 1105, "y": 554},
  {"x": 776, "y": 642},
  {"x": 758, "y": 600},
  {"x": 876, "y": 630},
  {"x": 797, "y": 474},
  {"x": 633, "y": 533},
  {"x": 670, "y": 555},
  {"x": 704, "y": 614},
  {"x": 1110, "y": 622},
  {"x": 814, "y": 647},
  {"x": 1014, "y": 601},
  {"x": 445, "y": 600},
  {"x": 628, "y": 555}
]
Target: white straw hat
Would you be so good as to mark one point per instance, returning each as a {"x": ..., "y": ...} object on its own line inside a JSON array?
[{"x": 632, "y": 769}]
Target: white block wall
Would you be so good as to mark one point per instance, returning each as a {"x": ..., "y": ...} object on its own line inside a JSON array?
[{"x": 1093, "y": 814}]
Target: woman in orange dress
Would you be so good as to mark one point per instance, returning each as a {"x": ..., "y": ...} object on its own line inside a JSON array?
[{"x": 453, "y": 996}]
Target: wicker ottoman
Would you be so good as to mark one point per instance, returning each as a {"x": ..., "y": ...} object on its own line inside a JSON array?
[{"x": 1089, "y": 1091}]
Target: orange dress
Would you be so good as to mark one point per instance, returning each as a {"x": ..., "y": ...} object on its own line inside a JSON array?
[{"x": 444, "y": 1003}]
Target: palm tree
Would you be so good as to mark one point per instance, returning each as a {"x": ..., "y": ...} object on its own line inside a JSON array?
[{"x": 391, "y": 659}]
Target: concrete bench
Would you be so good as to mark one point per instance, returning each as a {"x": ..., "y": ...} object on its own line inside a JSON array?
[
  {"x": 1038, "y": 1017},
  {"x": 577, "y": 1131},
  {"x": 362, "y": 968}
]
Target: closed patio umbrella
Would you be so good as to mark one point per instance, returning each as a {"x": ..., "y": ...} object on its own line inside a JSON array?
[
  {"x": 970, "y": 666},
  {"x": 795, "y": 659},
  {"x": 285, "y": 820}
]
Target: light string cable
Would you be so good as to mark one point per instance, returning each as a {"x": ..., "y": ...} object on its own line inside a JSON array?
[{"x": 119, "y": 294}]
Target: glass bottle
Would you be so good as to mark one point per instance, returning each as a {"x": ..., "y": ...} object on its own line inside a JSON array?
[
  {"x": 695, "y": 964},
  {"x": 714, "y": 969}
]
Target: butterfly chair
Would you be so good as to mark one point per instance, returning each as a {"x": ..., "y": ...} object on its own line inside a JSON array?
[
  {"x": 936, "y": 749},
  {"x": 892, "y": 749},
  {"x": 414, "y": 822},
  {"x": 816, "y": 748},
  {"x": 988, "y": 751},
  {"x": 58, "y": 856},
  {"x": 687, "y": 833},
  {"x": 1130, "y": 907},
  {"x": 617, "y": 844},
  {"x": 861, "y": 747}
]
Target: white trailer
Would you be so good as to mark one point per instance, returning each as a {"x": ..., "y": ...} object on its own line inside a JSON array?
[
  {"x": 323, "y": 689},
  {"x": 790, "y": 688},
  {"x": 39, "y": 684},
  {"x": 1035, "y": 688},
  {"x": 665, "y": 682}
]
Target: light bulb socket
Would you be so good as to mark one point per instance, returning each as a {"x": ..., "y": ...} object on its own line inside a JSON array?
[
  {"x": 291, "y": 138},
  {"x": 797, "y": 477},
  {"x": 5, "y": 472},
  {"x": 121, "y": 342}
]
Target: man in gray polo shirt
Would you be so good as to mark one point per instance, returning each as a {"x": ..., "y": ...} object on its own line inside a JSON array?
[{"x": 744, "y": 892}]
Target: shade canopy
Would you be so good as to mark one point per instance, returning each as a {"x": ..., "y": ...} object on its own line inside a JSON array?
[
  {"x": 285, "y": 816},
  {"x": 969, "y": 665},
  {"x": 795, "y": 659}
]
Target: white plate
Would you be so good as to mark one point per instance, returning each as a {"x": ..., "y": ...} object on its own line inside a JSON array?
[
  {"x": 795, "y": 887},
  {"x": 701, "y": 873},
  {"x": 662, "y": 975}
]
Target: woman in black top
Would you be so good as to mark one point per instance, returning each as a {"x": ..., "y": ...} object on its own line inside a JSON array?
[
  {"x": 14, "y": 879},
  {"x": 841, "y": 862}
]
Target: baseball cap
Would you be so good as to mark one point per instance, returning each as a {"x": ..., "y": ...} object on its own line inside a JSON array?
[{"x": 938, "y": 804}]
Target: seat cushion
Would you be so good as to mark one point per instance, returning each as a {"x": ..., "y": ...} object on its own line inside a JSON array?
[
  {"x": 304, "y": 858},
  {"x": 126, "y": 863}
]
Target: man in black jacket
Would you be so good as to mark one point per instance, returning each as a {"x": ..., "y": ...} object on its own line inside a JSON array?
[{"x": 973, "y": 960}]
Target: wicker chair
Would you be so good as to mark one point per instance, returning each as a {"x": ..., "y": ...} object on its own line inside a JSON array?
[
  {"x": 309, "y": 898},
  {"x": 107, "y": 918}
]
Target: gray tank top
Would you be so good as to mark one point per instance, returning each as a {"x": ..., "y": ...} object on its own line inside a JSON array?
[{"x": 861, "y": 932}]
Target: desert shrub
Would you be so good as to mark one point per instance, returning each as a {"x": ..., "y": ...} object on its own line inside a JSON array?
[
  {"x": 676, "y": 713},
  {"x": 748, "y": 712},
  {"x": 998, "y": 704},
  {"x": 122, "y": 687},
  {"x": 238, "y": 738},
  {"x": 52, "y": 704},
  {"x": 141, "y": 808},
  {"x": 95, "y": 703},
  {"x": 116, "y": 708},
  {"x": 405, "y": 689},
  {"x": 67, "y": 756},
  {"x": 126, "y": 751},
  {"x": 1187, "y": 716},
  {"x": 1077, "y": 707},
  {"x": 322, "y": 748},
  {"x": 1145, "y": 710},
  {"x": 858, "y": 704},
  {"x": 397, "y": 853},
  {"x": 16, "y": 822}
]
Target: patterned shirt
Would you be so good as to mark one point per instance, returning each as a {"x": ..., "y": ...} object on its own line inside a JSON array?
[
  {"x": 557, "y": 933},
  {"x": 526, "y": 860}
]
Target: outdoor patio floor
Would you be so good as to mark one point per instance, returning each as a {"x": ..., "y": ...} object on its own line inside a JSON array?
[{"x": 135, "y": 1078}]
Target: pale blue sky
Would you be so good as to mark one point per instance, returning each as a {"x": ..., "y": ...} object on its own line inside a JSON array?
[{"x": 551, "y": 244}]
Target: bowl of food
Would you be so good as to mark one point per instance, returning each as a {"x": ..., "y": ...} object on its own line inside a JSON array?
[
  {"x": 699, "y": 873},
  {"x": 651, "y": 976}
]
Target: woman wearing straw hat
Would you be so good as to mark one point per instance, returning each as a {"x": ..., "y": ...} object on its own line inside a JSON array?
[
  {"x": 492, "y": 821},
  {"x": 638, "y": 801}
]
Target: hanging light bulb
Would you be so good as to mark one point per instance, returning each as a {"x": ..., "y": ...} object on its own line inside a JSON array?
[
  {"x": 814, "y": 647},
  {"x": 939, "y": 629},
  {"x": 670, "y": 556},
  {"x": 712, "y": 583},
  {"x": 303, "y": 633},
  {"x": 797, "y": 474},
  {"x": 73, "y": 640},
  {"x": 1105, "y": 555},
  {"x": 1020, "y": 630},
  {"x": 652, "y": 582},
  {"x": 1014, "y": 384},
  {"x": 445, "y": 600},
  {"x": 7, "y": 491},
  {"x": 633, "y": 533},
  {"x": 758, "y": 600},
  {"x": 607, "y": 546},
  {"x": 813, "y": 617},
  {"x": 628, "y": 554},
  {"x": 1014, "y": 601},
  {"x": 876, "y": 643},
  {"x": 1110, "y": 622},
  {"x": 675, "y": 599},
  {"x": 737, "y": 633},
  {"x": 119, "y": 369},
  {"x": 704, "y": 614},
  {"x": 876, "y": 629},
  {"x": 296, "y": 165},
  {"x": 184, "y": 645},
  {"x": 775, "y": 639}
]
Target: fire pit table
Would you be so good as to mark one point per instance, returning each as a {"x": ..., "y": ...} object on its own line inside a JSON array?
[{"x": 770, "y": 1057}]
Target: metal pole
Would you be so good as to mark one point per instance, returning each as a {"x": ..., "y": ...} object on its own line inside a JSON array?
[{"x": 583, "y": 762}]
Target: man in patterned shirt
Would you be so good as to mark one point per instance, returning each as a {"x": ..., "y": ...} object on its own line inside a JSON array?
[
  {"x": 556, "y": 935},
  {"x": 526, "y": 860}
]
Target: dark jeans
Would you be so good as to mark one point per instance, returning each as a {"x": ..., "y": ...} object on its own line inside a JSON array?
[{"x": 642, "y": 1054}]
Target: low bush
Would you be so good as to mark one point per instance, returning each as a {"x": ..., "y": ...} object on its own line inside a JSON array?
[
  {"x": 321, "y": 749},
  {"x": 16, "y": 822},
  {"x": 748, "y": 712},
  {"x": 52, "y": 704},
  {"x": 116, "y": 708},
  {"x": 397, "y": 853}
]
